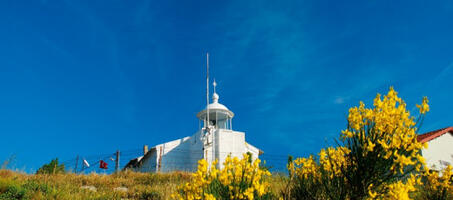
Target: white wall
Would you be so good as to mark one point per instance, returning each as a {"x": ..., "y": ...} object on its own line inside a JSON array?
[
  {"x": 255, "y": 151},
  {"x": 175, "y": 155},
  {"x": 228, "y": 142},
  {"x": 184, "y": 154},
  {"x": 439, "y": 152},
  {"x": 196, "y": 149}
]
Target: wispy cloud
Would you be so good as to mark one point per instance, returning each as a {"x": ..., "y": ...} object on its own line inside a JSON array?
[{"x": 339, "y": 100}]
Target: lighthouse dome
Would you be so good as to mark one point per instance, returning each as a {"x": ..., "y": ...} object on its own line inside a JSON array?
[{"x": 215, "y": 108}]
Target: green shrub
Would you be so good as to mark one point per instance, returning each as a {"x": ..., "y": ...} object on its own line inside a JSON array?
[
  {"x": 52, "y": 168},
  {"x": 13, "y": 192},
  {"x": 34, "y": 186},
  {"x": 150, "y": 195}
]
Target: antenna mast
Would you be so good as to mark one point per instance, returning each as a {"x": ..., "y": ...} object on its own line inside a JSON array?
[{"x": 207, "y": 90}]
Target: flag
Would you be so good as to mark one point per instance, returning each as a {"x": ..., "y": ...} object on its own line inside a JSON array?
[
  {"x": 85, "y": 163},
  {"x": 103, "y": 165}
]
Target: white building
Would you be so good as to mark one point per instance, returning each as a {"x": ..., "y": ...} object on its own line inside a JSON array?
[
  {"x": 213, "y": 143},
  {"x": 439, "y": 153}
]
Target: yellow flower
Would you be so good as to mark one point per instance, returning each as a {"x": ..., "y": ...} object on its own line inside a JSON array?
[
  {"x": 347, "y": 134},
  {"x": 424, "y": 107},
  {"x": 370, "y": 146},
  {"x": 388, "y": 131},
  {"x": 425, "y": 145},
  {"x": 399, "y": 191},
  {"x": 236, "y": 172},
  {"x": 249, "y": 193},
  {"x": 370, "y": 192},
  {"x": 209, "y": 197}
]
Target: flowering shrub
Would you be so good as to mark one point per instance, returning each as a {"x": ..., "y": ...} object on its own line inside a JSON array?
[
  {"x": 397, "y": 190},
  {"x": 437, "y": 186},
  {"x": 312, "y": 177},
  {"x": 376, "y": 156},
  {"x": 239, "y": 179}
]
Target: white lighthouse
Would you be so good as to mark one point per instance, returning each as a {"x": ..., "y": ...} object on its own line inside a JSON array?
[
  {"x": 215, "y": 140},
  {"x": 219, "y": 138}
]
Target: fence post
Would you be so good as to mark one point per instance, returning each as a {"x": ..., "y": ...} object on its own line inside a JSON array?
[
  {"x": 76, "y": 163},
  {"x": 117, "y": 161}
]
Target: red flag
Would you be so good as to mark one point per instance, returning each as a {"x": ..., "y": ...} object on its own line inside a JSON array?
[{"x": 102, "y": 165}]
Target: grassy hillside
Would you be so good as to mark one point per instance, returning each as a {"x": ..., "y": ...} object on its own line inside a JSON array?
[{"x": 15, "y": 185}]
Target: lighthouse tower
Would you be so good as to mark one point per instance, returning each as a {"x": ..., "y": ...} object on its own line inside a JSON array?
[
  {"x": 219, "y": 138},
  {"x": 220, "y": 117},
  {"x": 215, "y": 140}
]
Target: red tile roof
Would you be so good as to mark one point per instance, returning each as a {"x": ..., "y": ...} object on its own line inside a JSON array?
[{"x": 426, "y": 137}]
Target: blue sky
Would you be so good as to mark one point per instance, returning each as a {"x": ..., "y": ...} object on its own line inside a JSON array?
[{"x": 89, "y": 77}]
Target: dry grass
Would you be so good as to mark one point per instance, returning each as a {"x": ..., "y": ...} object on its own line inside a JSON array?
[
  {"x": 14, "y": 185},
  {"x": 68, "y": 186}
]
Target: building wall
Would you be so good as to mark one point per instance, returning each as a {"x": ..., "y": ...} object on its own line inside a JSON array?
[
  {"x": 183, "y": 154},
  {"x": 439, "y": 152},
  {"x": 148, "y": 162},
  {"x": 196, "y": 150},
  {"x": 175, "y": 155},
  {"x": 253, "y": 150},
  {"x": 229, "y": 142}
]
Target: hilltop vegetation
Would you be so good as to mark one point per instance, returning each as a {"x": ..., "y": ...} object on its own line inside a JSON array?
[
  {"x": 52, "y": 168},
  {"x": 14, "y": 185}
]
